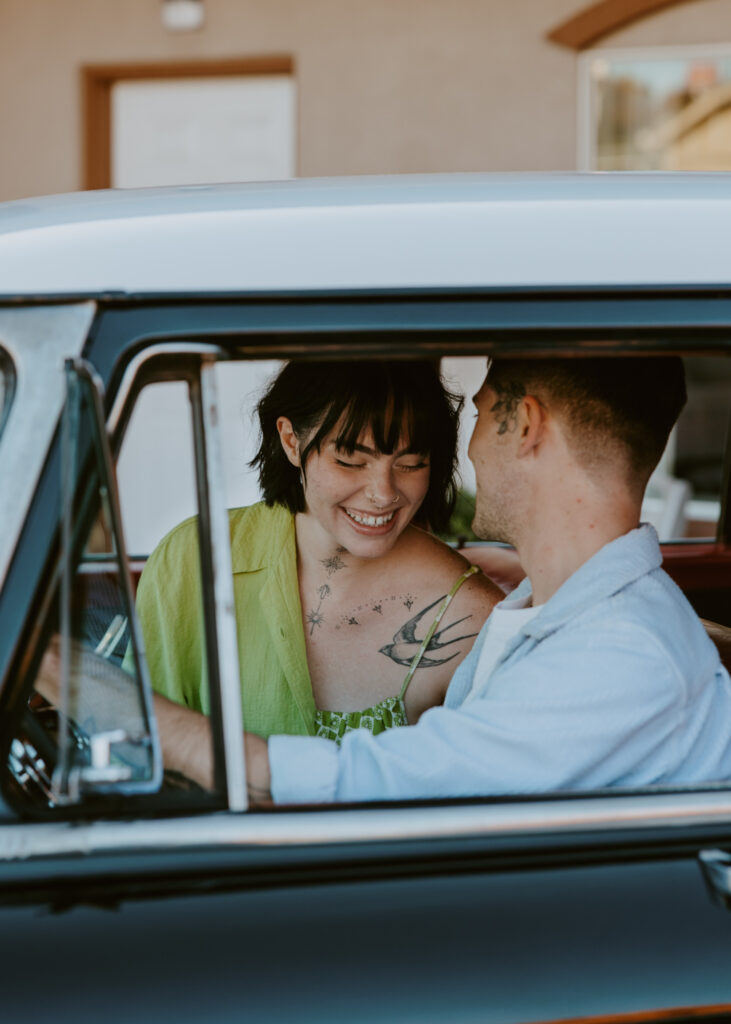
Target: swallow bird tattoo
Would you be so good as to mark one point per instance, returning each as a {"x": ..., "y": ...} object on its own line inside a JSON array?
[{"x": 405, "y": 643}]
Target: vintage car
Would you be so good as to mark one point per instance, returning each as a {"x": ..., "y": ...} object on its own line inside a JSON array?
[{"x": 132, "y": 325}]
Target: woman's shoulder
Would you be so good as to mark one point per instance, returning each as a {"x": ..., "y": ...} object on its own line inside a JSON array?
[
  {"x": 180, "y": 542},
  {"x": 445, "y": 566}
]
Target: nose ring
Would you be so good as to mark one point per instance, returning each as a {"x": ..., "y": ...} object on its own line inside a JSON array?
[{"x": 390, "y": 501}]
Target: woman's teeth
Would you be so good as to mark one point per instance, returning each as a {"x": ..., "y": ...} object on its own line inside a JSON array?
[{"x": 370, "y": 520}]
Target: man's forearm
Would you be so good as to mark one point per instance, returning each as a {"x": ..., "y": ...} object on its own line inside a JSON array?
[
  {"x": 258, "y": 780},
  {"x": 186, "y": 740}
]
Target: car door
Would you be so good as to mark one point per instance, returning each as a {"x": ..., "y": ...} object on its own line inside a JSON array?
[{"x": 600, "y": 906}]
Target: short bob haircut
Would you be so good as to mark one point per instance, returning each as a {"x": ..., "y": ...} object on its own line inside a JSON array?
[{"x": 396, "y": 400}]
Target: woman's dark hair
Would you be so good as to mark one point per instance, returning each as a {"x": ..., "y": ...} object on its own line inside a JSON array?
[{"x": 387, "y": 397}]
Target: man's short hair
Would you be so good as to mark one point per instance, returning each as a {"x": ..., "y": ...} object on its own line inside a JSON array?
[{"x": 628, "y": 402}]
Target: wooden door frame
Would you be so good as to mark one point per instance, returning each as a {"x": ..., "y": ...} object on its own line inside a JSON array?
[{"x": 96, "y": 88}]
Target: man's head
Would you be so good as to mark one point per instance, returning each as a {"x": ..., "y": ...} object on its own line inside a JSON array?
[{"x": 612, "y": 417}]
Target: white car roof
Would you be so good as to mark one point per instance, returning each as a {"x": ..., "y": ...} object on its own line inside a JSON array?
[{"x": 389, "y": 232}]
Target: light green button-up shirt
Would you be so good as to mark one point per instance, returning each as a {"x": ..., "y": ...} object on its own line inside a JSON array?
[{"x": 275, "y": 682}]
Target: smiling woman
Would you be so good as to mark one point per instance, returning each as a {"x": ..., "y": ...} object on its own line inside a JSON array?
[{"x": 349, "y": 612}]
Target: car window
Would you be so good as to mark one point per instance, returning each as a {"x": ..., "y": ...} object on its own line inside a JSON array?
[
  {"x": 93, "y": 665},
  {"x": 160, "y": 504},
  {"x": 157, "y": 481},
  {"x": 683, "y": 499},
  {"x": 160, "y": 471},
  {"x": 696, "y": 450}
]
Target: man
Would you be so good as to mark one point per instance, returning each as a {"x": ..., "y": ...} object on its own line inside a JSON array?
[{"x": 596, "y": 671}]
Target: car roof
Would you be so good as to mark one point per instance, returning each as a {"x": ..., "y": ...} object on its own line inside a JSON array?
[{"x": 400, "y": 232}]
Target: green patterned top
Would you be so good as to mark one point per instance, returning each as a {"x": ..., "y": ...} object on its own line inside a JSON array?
[{"x": 391, "y": 712}]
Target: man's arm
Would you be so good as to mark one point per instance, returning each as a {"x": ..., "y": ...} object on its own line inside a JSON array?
[
  {"x": 258, "y": 779},
  {"x": 185, "y": 735},
  {"x": 603, "y": 713}
]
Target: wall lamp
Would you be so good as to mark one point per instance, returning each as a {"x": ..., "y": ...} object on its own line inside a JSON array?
[{"x": 182, "y": 15}]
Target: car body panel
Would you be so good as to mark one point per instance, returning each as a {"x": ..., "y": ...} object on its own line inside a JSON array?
[
  {"x": 591, "y": 906},
  {"x": 390, "y": 232},
  {"x": 37, "y": 342}
]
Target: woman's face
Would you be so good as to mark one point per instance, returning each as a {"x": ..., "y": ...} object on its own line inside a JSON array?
[{"x": 366, "y": 499}]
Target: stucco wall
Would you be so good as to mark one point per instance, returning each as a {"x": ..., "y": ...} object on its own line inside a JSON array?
[{"x": 383, "y": 85}]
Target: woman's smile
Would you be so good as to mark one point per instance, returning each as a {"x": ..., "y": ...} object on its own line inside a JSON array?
[{"x": 371, "y": 522}]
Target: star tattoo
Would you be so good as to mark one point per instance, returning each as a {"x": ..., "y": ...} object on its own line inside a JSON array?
[
  {"x": 332, "y": 564},
  {"x": 315, "y": 618}
]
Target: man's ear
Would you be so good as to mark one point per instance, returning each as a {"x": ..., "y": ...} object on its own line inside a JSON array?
[
  {"x": 531, "y": 425},
  {"x": 289, "y": 441}
]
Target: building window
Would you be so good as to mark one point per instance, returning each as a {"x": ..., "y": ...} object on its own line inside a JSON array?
[{"x": 655, "y": 109}]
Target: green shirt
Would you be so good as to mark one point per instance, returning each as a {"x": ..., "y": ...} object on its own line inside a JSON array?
[{"x": 276, "y": 690}]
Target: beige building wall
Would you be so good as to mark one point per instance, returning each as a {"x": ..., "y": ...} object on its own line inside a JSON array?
[{"x": 383, "y": 85}]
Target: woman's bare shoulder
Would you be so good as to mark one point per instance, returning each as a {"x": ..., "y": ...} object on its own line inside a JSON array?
[{"x": 445, "y": 565}]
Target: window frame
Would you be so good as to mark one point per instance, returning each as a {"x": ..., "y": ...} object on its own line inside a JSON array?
[
  {"x": 585, "y": 148},
  {"x": 358, "y": 325}
]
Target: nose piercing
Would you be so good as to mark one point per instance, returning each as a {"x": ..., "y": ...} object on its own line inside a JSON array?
[{"x": 373, "y": 501}]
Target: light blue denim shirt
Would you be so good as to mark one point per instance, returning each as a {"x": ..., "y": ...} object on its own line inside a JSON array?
[{"x": 614, "y": 682}]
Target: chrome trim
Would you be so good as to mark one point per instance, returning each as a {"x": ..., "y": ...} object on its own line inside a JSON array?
[
  {"x": 227, "y": 642},
  {"x": 716, "y": 868},
  {"x": 609, "y": 814},
  {"x": 138, "y": 361},
  {"x": 37, "y": 341},
  {"x": 223, "y": 589}
]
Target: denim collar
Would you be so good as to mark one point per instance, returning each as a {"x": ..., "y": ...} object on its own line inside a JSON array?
[{"x": 613, "y": 567}]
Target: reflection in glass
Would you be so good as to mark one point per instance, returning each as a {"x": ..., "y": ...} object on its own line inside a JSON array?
[{"x": 661, "y": 113}]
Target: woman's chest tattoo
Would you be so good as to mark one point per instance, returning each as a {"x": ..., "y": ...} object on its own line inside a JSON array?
[{"x": 326, "y": 610}]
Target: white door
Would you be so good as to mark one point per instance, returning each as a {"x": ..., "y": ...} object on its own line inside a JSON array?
[{"x": 185, "y": 131}]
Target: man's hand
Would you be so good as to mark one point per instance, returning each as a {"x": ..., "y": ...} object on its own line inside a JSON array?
[
  {"x": 185, "y": 735},
  {"x": 258, "y": 779}
]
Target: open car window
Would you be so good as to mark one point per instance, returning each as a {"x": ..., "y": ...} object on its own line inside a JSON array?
[
  {"x": 684, "y": 496},
  {"x": 88, "y": 726},
  {"x": 172, "y": 496},
  {"x": 244, "y": 384}
]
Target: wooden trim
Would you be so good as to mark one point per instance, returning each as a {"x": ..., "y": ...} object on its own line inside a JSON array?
[
  {"x": 96, "y": 88},
  {"x": 681, "y": 1014},
  {"x": 601, "y": 19},
  {"x": 96, "y": 92}
]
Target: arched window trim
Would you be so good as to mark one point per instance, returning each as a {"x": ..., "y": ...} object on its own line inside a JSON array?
[{"x": 598, "y": 20}]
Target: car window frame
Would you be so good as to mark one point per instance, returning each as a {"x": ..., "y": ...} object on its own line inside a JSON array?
[
  {"x": 9, "y": 379},
  {"x": 416, "y": 323}
]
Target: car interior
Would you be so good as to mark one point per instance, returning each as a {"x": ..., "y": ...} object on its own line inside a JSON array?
[{"x": 103, "y": 745}]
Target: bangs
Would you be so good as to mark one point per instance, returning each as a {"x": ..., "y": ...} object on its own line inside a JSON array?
[
  {"x": 384, "y": 409},
  {"x": 390, "y": 404}
]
